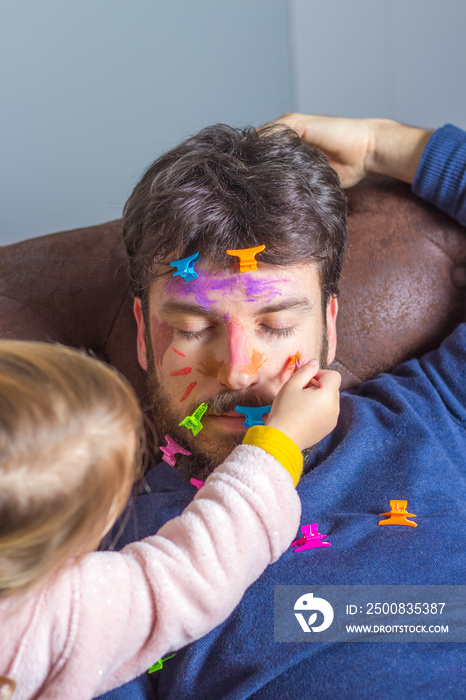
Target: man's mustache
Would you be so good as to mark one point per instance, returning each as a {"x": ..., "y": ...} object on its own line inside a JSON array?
[{"x": 225, "y": 401}]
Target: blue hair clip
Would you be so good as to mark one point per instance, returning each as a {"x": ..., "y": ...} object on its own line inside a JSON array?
[
  {"x": 185, "y": 267},
  {"x": 253, "y": 414}
]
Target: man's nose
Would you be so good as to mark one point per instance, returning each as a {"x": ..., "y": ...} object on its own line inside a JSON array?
[
  {"x": 236, "y": 376},
  {"x": 239, "y": 368}
]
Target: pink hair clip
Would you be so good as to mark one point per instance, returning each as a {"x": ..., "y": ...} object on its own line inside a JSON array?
[{"x": 171, "y": 449}]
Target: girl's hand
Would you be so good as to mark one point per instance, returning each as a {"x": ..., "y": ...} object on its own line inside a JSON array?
[{"x": 303, "y": 411}]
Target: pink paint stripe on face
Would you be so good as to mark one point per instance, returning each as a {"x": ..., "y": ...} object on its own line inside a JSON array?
[
  {"x": 188, "y": 391},
  {"x": 162, "y": 337},
  {"x": 237, "y": 343}
]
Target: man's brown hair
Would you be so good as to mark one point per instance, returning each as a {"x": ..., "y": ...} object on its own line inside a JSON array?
[{"x": 229, "y": 188}]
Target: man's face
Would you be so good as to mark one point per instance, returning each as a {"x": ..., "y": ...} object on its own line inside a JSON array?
[{"x": 227, "y": 339}]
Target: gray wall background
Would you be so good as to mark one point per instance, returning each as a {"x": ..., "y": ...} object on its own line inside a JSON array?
[
  {"x": 93, "y": 90},
  {"x": 401, "y": 59}
]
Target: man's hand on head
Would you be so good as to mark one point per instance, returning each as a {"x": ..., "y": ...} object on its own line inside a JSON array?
[{"x": 359, "y": 147}]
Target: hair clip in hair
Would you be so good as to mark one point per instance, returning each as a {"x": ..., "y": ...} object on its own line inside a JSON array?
[
  {"x": 311, "y": 539},
  {"x": 247, "y": 257},
  {"x": 253, "y": 414},
  {"x": 398, "y": 515},
  {"x": 193, "y": 422},
  {"x": 171, "y": 449},
  {"x": 185, "y": 267}
]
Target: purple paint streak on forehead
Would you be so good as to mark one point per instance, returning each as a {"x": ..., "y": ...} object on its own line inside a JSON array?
[
  {"x": 256, "y": 287},
  {"x": 209, "y": 283}
]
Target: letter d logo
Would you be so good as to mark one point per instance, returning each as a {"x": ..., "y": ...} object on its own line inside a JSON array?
[{"x": 308, "y": 603}]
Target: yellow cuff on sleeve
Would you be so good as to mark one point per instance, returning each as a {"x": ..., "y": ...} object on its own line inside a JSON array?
[{"x": 279, "y": 446}]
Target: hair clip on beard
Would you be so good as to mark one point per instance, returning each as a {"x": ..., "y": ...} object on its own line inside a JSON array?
[
  {"x": 193, "y": 422},
  {"x": 171, "y": 449}
]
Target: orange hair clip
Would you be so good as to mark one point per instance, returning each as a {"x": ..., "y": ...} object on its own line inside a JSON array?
[{"x": 247, "y": 261}]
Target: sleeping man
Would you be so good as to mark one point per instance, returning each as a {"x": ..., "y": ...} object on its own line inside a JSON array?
[{"x": 229, "y": 331}]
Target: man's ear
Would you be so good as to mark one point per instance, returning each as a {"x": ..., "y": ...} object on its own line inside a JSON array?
[
  {"x": 141, "y": 338},
  {"x": 332, "y": 313}
]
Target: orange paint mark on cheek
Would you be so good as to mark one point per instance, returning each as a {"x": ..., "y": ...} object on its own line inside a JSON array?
[
  {"x": 188, "y": 391},
  {"x": 257, "y": 360},
  {"x": 209, "y": 366},
  {"x": 295, "y": 361},
  {"x": 180, "y": 372},
  {"x": 178, "y": 352}
]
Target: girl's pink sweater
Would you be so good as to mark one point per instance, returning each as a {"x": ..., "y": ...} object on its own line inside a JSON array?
[{"x": 107, "y": 617}]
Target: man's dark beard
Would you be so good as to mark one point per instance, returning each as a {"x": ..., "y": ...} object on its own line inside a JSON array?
[{"x": 206, "y": 453}]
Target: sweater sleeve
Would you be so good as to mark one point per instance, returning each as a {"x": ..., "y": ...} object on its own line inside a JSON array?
[
  {"x": 107, "y": 618},
  {"x": 441, "y": 174},
  {"x": 279, "y": 446}
]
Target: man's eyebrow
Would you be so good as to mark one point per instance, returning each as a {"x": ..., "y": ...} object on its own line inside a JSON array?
[
  {"x": 284, "y": 304},
  {"x": 171, "y": 307}
]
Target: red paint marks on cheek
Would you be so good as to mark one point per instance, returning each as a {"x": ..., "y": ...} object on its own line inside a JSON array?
[
  {"x": 181, "y": 354},
  {"x": 162, "y": 336},
  {"x": 180, "y": 372},
  {"x": 209, "y": 366},
  {"x": 188, "y": 391}
]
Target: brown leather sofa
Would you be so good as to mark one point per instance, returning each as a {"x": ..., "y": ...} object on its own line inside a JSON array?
[{"x": 403, "y": 286}]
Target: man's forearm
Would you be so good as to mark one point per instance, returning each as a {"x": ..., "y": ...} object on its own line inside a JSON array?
[
  {"x": 358, "y": 147},
  {"x": 395, "y": 149}
]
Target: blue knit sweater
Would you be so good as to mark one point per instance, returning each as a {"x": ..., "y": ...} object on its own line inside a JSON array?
[{"x": 400, "y": 435}]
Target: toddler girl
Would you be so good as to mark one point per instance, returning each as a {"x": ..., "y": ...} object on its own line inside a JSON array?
[{"x": 75, "y": 622}]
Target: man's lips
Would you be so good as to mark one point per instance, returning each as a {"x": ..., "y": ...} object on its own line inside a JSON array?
[
  {"x": 228, "y": 421},
  {"x": 230, "y": 414}
]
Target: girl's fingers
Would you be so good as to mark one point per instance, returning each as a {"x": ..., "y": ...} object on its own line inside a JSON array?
[
  {"x": 311, "y": 375},
  {"x": 329, "y": 378},
  {"x": 303, "y": 375}
]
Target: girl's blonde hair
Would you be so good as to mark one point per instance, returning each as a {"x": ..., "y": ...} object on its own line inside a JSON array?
[{"x": 70, "y": 450}]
